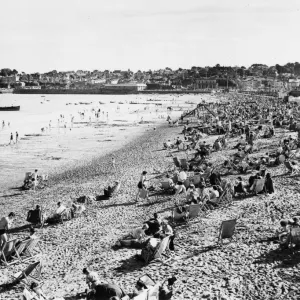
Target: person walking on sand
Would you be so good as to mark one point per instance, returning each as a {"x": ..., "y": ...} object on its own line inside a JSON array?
[
  {"x": 35, "y": 177},
  {"x": 17, "y": 137},
  {"x": 11, "y": 138},
  {"x": 141, "y": 185},
  {"x": 113, "y": 163}
]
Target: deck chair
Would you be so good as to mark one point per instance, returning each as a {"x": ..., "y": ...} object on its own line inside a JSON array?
[
  {"x": 176, "y": 162},
  {"x": 184, "y": 164},
  {"x": 19, "y": 249},
  {"x": 226, "y": 230},
  {"x": 196, "y": 180},
  {"x": 165, "y": 186},
  {"x": 153, "y": 292},
  {"x": 187, "y": 183},
  {"x": 147, "y": 281},
  {"x": 294, "y": 169},
  {"x": 193, "y": 212},
  {"x": 143, "y": 194},
  {"x": 8, "y": 250},
  {"x": 295, "y": 236},
  {"x": 32, "y": 272},
  {"x": 31, "y": 251},
  {"x": 161, "y": 248},
  {"x": 35, "y": 217},
  {"x": 258, "y": 185},
  {"x": 178, "y": 217},
  {"x": 141, "y": 296}
]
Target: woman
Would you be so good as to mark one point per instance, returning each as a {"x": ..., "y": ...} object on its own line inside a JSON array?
[
  {"x": 141, "y": 185},
  {"x": 269, "y": 187}
]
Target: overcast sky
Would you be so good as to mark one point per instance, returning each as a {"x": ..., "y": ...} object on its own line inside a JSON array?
[{"x": 39, "y": 36}]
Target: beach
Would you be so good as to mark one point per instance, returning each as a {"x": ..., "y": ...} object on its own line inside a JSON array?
[{"x": 246, "y": 268}]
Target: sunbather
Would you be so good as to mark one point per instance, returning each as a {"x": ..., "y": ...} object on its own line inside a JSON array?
[
  {"x": 192, "y": 193},
  {"x": 5, "y": 224},
  {"x": 283, "y": 233},
  {"x": 154, "y": 225},
  {"x": 135, "y": 238},
  {"x": 141, "y": 185},
  {"x": 240, "y": 188},
  {"x": 269, "y": 187}
]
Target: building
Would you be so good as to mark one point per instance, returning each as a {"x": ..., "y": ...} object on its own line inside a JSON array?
[
  {"x": 128, "y": 87},
  {"x": 204, "y": 83}
]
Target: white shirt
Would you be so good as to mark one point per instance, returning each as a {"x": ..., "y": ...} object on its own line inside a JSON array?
[
  {"x": 60, "y": 209},
  {"x": 182, "y": 176}
]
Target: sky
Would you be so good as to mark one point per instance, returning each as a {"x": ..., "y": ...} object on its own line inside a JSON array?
[{"x": 64, "y": 35}]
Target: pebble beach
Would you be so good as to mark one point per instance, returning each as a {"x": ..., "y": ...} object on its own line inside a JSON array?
[{"x": 249, "y": 267}]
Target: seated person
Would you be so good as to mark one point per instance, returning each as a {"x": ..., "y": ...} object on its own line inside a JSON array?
[
  {"x": 154, "y": 225},
  {"x": 60, "y": 208},
  {"x": 139, "y": 288},
  {"x": 240, "y": 188},
  {"x": 214, "y": 193},
  {"x": 170, "y": 181},
  {"x": 215, "y": 178},
  {"x": 110, "y": 189},
  {"x": 107, "y": 291},
  {"x": 191, "y": 193},
  {"x": 35, "y": 216},
  {"x": 283, "y": 233},
  {"x": 77, "y": 209},
  {"x": 135, "y": 238}
]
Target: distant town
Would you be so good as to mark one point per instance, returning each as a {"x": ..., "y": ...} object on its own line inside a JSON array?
[{"x": 258, "y": 78}]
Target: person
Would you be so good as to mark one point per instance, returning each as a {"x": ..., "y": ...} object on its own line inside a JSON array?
[
  {"x": 35, "y": 177},
  {"x": 135, "y": 238},
  {"x": 192, "y": 193},
  {"x": 141, "y": 184},
  {"x": 38, "y": 293},
  {"x": 269, "y": 187},
  {"x": 11, "y": 138},
  {"x": 170, "y": 181},
  {"x": 283, "y": 233},
  {"x": 153, "y": 224},
  {"x": 113, "y": 163},
  {"x": 77, "y": 209},
  {"x": 107, "y": 291},
  {"x": 92, "y": 279},
  {"x": 17, "y": 137},
  {"x": 240, "y": 187},
  {"x": 5, "y": 224},
  {"x": 60, "y": 208},
  {"x": 35, "y": 216},
  {"x": 203, "y": 193},
  {"x": 214, "y": 193}
]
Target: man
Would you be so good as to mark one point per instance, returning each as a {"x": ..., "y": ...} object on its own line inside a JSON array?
[
  {"x": 60, "y": 208},
  {"x": 17, "y": 137},
  {"x": 11, "y": 139},
  {"x": 203, "y": 193},
  {"x": 35, "y": 176},
  {"x": 192, "y": 193},
  {"x": 92, "y": 278},
  {"x": 5, "y": 224}
]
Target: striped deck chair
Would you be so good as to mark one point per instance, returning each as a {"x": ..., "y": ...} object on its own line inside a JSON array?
[
  {"x": 161, "y": 248},
  {"x": 31, "y": 251},
  {"x": 8, "y": 251},
  {"x": 227, "y": 230},
  {"x": 19, "y": 249},
  {"x": 32, "y": 273}
]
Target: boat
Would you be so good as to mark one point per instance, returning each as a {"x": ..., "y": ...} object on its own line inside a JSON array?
[
  {"x": 112, "y": 101},
  {"x": 101, "y": 102},
  {"x": 120, "y": 102},
  {"x": 10, "y": 108}
]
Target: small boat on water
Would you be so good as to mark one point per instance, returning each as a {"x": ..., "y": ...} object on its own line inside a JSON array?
[
  {"x": 10, "y": 108},
  {"x": 101, "y": 102},
  {"x": 121, "y": 102},
  {"x": 112, "y": 101}
]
